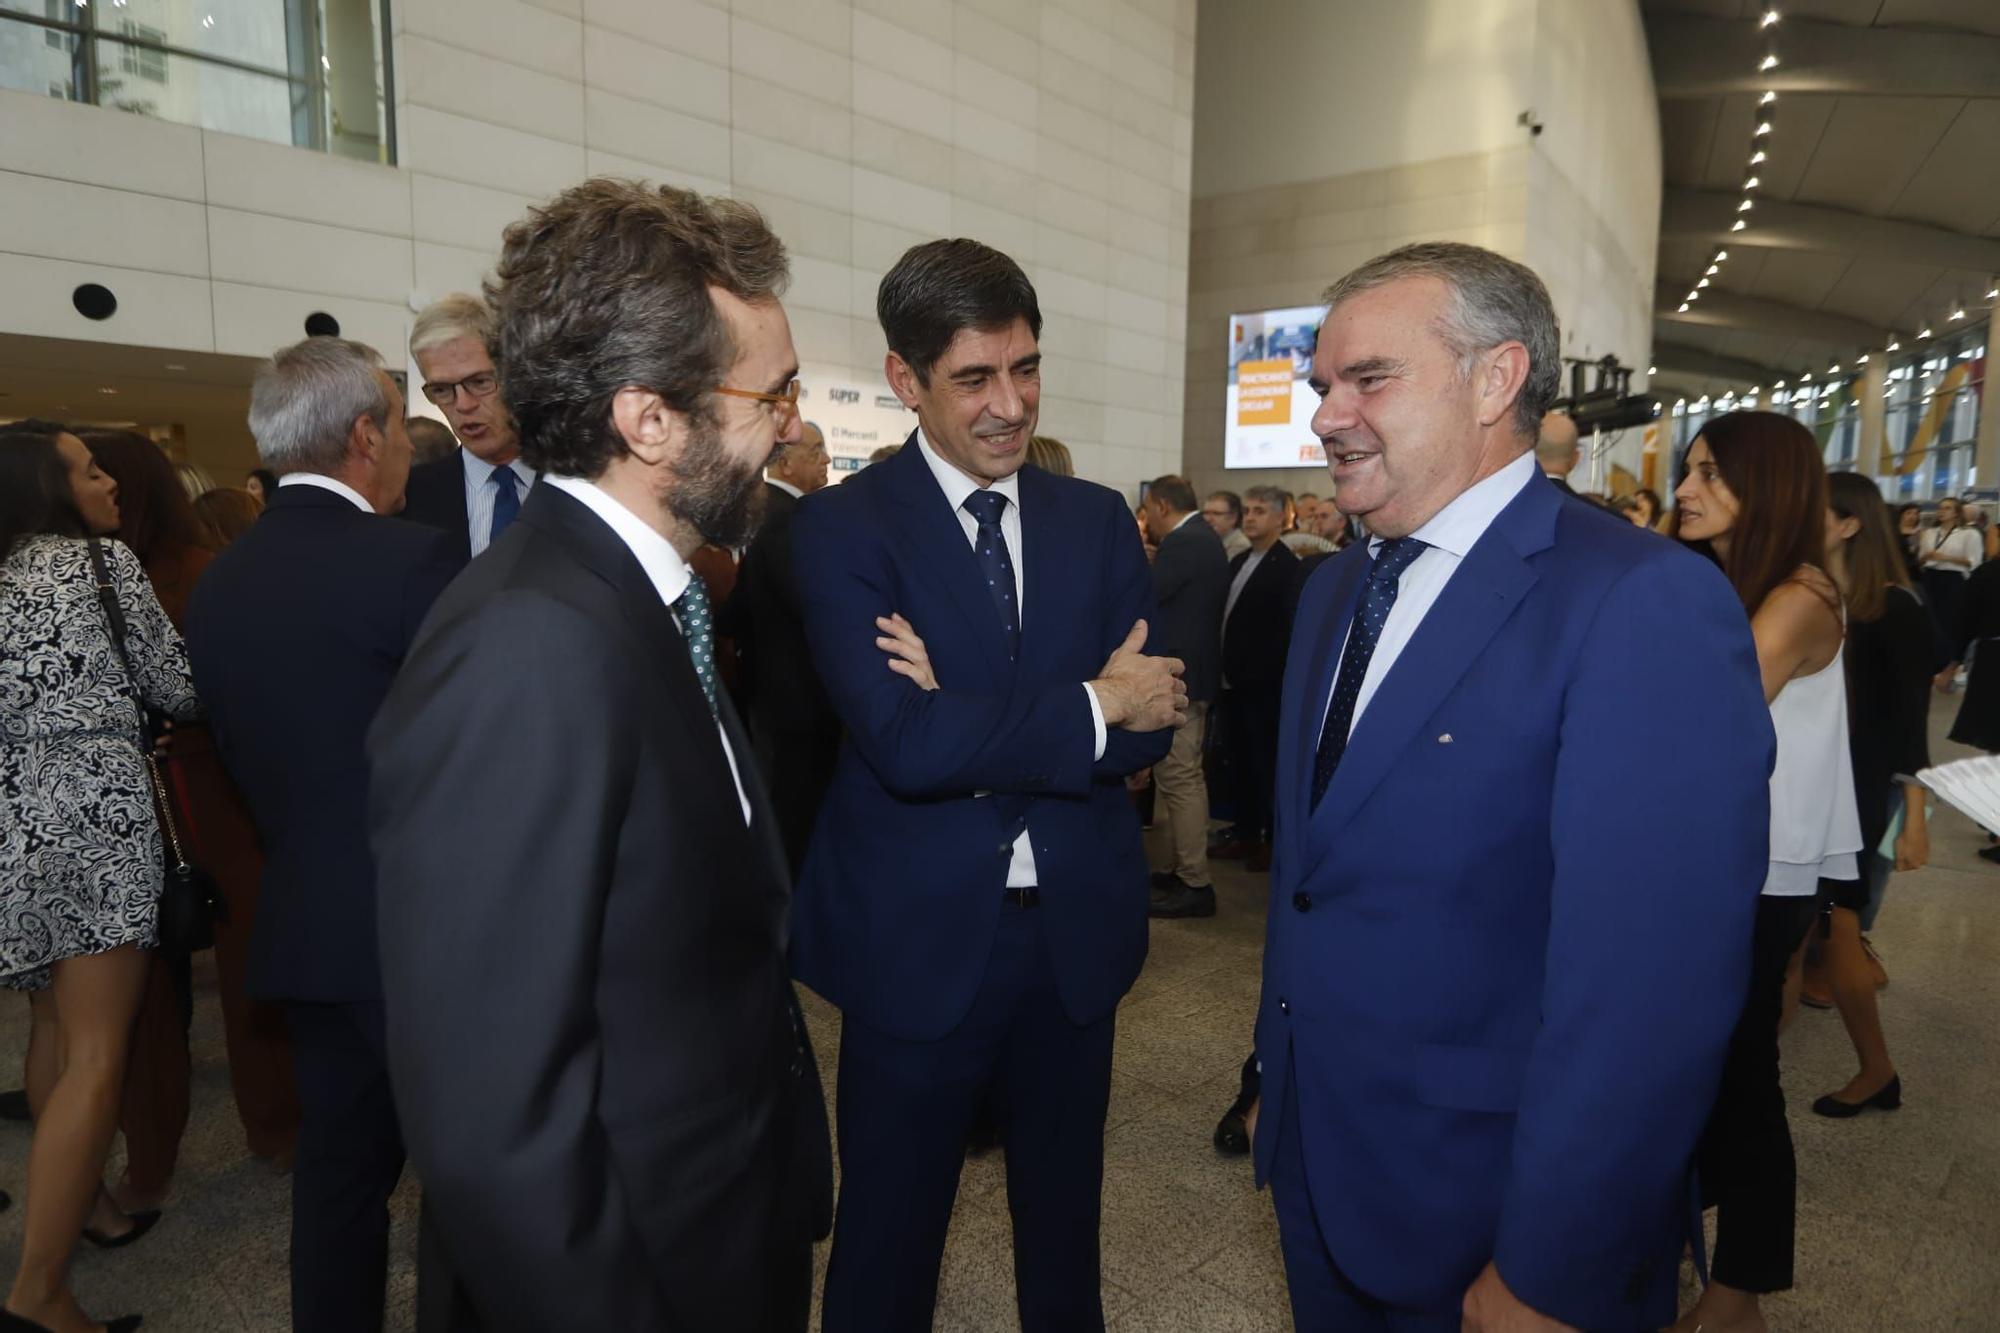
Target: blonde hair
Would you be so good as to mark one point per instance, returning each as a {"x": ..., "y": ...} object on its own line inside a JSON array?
[
  {"x": 449, "y": 318},
  {"x": 1051, "y": 455}
]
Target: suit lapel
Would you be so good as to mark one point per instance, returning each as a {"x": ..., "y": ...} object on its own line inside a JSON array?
[
  {"x": 945, "y": 556},
  {"x": 600, "y": 550},
  {"x": 1042, "y": 617},
  {"x": 1482, "y": 593},
  {"x": 1309, "y": 682}
]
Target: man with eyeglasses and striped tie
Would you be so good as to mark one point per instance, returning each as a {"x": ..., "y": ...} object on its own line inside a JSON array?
[{"x": 475, "y": 491}]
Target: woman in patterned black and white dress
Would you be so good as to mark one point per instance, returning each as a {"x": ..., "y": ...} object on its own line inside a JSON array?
[{"x": 80, "y": 854}]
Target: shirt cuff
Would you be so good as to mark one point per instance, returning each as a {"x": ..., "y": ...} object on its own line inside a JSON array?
[{"x": 1096, "y": 722}]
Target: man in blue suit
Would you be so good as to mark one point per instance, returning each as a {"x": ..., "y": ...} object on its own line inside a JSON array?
[
  {"x": 974, "y": 898},
  {"x": 1495, "y": 1004}
]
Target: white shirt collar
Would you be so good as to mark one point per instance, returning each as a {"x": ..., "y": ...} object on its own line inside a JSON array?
[
  {"x": 656, "y": 555},
  {"x": 956, "y": 485},
  {"x": 326, "y": 483},
  {"x": 478, "y": 471},
  {"x": 1183, "y": 523},
  {"x": 1457, "y": 527},
  {"x": 784, "y": 486}
]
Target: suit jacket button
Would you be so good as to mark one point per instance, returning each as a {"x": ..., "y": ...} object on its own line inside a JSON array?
[
  {"x": 1284, "y": 1005},
  {"x": 1006, "y": 848},
  {"x": 1302, "y": 901}
]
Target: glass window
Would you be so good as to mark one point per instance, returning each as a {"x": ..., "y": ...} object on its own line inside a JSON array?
[{"x": 302, "y": 72}]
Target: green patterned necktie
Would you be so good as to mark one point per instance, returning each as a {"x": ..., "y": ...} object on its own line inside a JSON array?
[{"x": 698, "y": 628}]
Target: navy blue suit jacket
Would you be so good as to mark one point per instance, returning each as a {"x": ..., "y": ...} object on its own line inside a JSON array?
[
  {"x": 295, "y": 633},
  {"x": 1506, "y": 952},
  {"x": 901, "y": 891}
]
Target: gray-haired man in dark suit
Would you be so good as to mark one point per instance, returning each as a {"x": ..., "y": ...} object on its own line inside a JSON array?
[{"x": 1190, "y": 582}]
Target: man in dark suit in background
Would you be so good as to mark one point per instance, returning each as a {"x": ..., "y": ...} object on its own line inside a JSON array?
[
  {"x": 1256, "y": 629},
  {"x": 600, "y": 1063},
  {"x": 1190, "y": 581},
  {"x": 975, "y": 900},
  {"x": 792, "y": 724},
  {"x": 475, "y": 491},
  {"x": 295, "y": 633}
]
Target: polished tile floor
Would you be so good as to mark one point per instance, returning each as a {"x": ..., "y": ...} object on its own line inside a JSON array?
[{"x": 1899, "y": 1225}]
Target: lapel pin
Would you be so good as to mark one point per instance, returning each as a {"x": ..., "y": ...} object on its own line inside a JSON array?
[{"x": 1445, "y": 739}]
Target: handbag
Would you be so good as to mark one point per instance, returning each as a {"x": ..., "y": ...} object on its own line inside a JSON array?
[{"x": 190, "y": 900}]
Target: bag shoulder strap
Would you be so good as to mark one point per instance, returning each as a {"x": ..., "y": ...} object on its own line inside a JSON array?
[{"x": 107, "y": 597}]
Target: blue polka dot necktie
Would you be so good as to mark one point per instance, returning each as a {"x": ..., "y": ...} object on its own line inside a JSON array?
[
  {"x": 1391, "y": 559},
  {"x": 995, "y": 565},
  {"x": 506, "y": 502},
  {"x": 698, "y": 628}
]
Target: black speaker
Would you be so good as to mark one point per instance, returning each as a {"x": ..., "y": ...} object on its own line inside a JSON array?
[
  {"x": 93, "y": 301},
  {"x": 319, "y": 324}
]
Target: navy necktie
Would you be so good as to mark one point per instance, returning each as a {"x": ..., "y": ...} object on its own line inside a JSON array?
[
  {"x": 1363, "y": 634},
  {"x": 698, "y": 628},
  {"x": 506, "y": 502},
  {"x": 995, "y": 565}
]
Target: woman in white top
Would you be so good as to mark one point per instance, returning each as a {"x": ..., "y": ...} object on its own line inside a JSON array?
[
  {"x": 1947, "y": 554},
  {"x": 1756, "y": 498}
]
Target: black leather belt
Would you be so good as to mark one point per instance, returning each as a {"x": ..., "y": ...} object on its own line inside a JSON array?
[{"x": 1021, "y": 897}]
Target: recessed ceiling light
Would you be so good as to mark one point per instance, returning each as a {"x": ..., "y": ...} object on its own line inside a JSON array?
[
  {"x": 1739, "y": 225},
  {"x": 1992, "y": 295},
  {"x": 1924, "y": 333},
  {"x": 1958, "y": 314},
  {"x": 1893, "y": 346},
  {"x": 1770, "y": 17},
  {"x": 1721, "y": 255},
  {"x": 1861, "y": 360},
  {"x": 1652, "y": 370},
  {"x": 1833, "y": 369},
  {"x": 1746, "y": 206},
  {"x": 175, "y": 365},
  {"x": 1714, "y": 269},
  {"x": 1768, "y": 98},
  {"x": 1684, "y": 308},
  {"x": 107, "y": 390},
  {"x": 1699, "y": 285},
  {"x": 1752, "y": 183},
  {"x": 1770, "y": 62},
  {"x": 1763, "y": 128},
  {"x": 1756, "y": 157}
]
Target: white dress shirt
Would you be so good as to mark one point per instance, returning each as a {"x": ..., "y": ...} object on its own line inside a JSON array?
[
  {"x": 1961, "y": 542},
  {"x": 1452, "y": 532},
  {"x": 326, "y": 483},
  {"x": 956, "y": 487},
  {"x": 479, "y": 494},
  {"x": 669, "y": 574},
  {"x": 784, "y": 486},
  {"x": 1242, "y": 578}
]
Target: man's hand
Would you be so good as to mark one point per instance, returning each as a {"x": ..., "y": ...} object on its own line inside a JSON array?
[
  {"x": 907, "y": 654},
  {"x": 1491, "y": 1308},
  {"x": 1141, "y": 693},
  {"x": 1913, "y": 848}
]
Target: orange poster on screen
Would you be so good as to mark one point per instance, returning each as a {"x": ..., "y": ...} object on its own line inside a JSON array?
[{"x": 1264, "y": 392}]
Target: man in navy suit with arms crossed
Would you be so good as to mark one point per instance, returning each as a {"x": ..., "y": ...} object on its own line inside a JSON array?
[
  {"x": 1490, "y": 1033},
  {"x": 975, "y": 897}
]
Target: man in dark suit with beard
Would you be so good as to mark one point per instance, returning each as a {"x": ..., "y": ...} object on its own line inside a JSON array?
[
  {"x": 792, "y": 724},
  {"x": 601, "y": 1067}
]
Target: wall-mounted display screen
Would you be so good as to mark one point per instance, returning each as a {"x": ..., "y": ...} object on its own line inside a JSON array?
[{"x": 1270, "y": 407}]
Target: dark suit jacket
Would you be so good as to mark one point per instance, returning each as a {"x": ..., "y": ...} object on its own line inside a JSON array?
[
  {"x": 1190, "y": 582},
  {"x": 295, "y": 633},
  {"x": 780, "y": 685},
  {"x": 593, "y": 1041},
  {"x": 901, "y": 893},
  {"x": 1255, "y": 635},
  {"x": 435, "y": 497},
  {"x": 1503, "y": 1030}
]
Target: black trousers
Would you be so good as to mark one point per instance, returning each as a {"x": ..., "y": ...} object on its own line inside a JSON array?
[
  {"x": 1250, "y": 730},
  {"x": 904, "y": 1107},
  {"x": 797, "y": 765},
  {"x": 1748, "y": 1173},
  {"x": 350, "y": 1156}
]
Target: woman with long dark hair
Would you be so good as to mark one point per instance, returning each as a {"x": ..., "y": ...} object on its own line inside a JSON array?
[
  {"x": 81, "y": 872},
  {"x": 1909, "y": 539},
  {"x": 1755, "y": 499},
  {"x": 163, "y": 529},
  {"x": 1888, "y": 659}
]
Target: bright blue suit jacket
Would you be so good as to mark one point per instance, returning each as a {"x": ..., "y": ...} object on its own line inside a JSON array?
[
  {"x": 896, "y": 906},
  {"x": 1506, "y": 952}
]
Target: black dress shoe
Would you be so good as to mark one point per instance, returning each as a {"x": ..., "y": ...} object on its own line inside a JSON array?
[
  {"x": 1889, "y": 1099},
  {"x": 141, "y": 1224},
  {"x": 1182, "y": 900},
  {"x": 14, "y": 1106},
  {"x": 1232, "y": 1134},
  {"x": 1164, "y": 879}
]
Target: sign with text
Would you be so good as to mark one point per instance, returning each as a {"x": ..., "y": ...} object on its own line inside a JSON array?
[{"x": 1269, "y": 422}]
